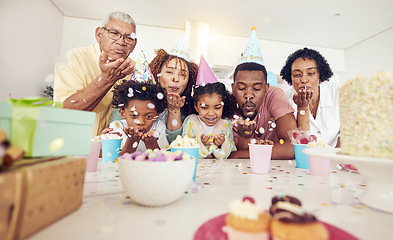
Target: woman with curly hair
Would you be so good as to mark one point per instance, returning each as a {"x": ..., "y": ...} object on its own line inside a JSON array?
[
  {"x": 177, "y": 76},
  {"x": 312, "y": 95},
  {"x": 140, "y": 105}
]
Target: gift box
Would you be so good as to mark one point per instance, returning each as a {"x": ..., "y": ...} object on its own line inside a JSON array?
[
  {"x": 36, "y": 193},
  {"x": 42, "y": 130}
]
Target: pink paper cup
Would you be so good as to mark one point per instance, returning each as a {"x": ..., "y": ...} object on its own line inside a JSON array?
[
  {"x": 260, "y": 156},
  {"x": 319, "y": 166},
  {"x": 92, "y": 159}
]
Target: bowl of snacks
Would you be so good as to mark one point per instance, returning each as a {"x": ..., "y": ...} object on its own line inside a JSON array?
[{"x": 156, "y": 178}]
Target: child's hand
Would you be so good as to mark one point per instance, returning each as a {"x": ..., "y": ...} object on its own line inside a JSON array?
[
  {"x": 109, "y": 130},
  {"x": 219, "y": 139},
  {"x": 205, "y": 139},
  {"x": 245, "y": 127},
  {"x": 175, "y": 101},
  {"x": 150, "y": 139},
  {"x": 132, "y": 133}
]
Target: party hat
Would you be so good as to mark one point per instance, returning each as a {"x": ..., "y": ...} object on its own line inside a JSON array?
[
  {"x": 205, "y": 74},
  {"x": 142, "y": 71},
  {"x": 182, "y": 47},
  {"x": 252, "y": 53}
]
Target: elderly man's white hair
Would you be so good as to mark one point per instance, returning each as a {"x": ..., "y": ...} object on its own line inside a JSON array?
[{"x": 124, "y": 17}]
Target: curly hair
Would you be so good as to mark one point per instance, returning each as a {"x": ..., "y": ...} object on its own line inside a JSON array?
[
  {"x": 325, "y": 72},
  {"x": 218, "y": 88},
  {"x": 162, "y": 59},
  {"x": 122, "y": 94}
]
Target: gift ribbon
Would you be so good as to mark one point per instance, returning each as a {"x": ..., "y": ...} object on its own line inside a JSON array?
[{"x": 24, "y": 116}]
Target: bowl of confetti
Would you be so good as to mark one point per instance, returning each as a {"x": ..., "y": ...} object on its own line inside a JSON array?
[{"x": 156, "y": 178}]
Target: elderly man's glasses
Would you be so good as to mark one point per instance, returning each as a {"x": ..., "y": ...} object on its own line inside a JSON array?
[{"x": 115, "y": 35}]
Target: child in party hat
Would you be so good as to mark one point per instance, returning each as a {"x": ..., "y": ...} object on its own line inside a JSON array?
[
  {"x": 262, "y": 112},
  {"x": 140, "y": 103},
  {"x": 209, "y": 124},
  {"x": 176, "y": 74}
]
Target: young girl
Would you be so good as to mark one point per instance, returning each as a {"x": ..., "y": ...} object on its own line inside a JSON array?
[
  {"x": 139, "y": 104},
  {"x": 211, "y": 126}
]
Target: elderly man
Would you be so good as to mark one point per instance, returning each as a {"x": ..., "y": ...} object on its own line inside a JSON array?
[
  {"x": 86, "y": 80},
  {"x": 263, "y": 111}
]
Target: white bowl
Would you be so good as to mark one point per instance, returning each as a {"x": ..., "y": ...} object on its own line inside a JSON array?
[
  {"x": 155, "y": 184},
  {"x": 378, "y": 172}
]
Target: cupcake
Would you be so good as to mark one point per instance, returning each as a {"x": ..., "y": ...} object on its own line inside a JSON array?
[
  {"x": 290, "y": 222},
  {"x": 247, "y": 220}
]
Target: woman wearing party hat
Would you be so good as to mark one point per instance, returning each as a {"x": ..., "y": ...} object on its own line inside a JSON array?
[
  {"x": 176, "y": 74},
  {"x": 209, "y": 123},
  {"x": 263, "y": 112}
]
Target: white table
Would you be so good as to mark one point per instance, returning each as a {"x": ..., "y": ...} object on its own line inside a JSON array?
[{"x": 107, "y": 213}]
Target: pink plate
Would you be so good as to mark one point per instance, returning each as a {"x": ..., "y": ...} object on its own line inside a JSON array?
[{"x": 212, "y": 229}]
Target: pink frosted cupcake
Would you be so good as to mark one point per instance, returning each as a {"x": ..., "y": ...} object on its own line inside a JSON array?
[{"x": 247, "y": 221}]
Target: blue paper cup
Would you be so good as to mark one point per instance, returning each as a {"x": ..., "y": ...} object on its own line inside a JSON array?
[
  {"x": 110, "y": 150},
  {"x": 301, "y": 158},
  {"x": 193, "y": 152}
]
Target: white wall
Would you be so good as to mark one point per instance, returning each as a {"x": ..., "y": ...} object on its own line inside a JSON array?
[
  {"x": 371, "y": 55},
  {"x": 31, "y": 34}
]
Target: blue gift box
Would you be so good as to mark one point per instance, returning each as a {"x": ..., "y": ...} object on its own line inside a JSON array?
[{"x": 47, "y": 131}]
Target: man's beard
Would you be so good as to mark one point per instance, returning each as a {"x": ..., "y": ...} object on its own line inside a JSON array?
[{"x": 244, "y": 116}]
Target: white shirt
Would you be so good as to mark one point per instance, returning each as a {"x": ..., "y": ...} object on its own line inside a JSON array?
[
  {"x": 326, "y": 125},
  {"x": 158, "y": 125}
]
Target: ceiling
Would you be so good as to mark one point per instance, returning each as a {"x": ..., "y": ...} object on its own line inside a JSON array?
[{"x": 337, "y": 24}]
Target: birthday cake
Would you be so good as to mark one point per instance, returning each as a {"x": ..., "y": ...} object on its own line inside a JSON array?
[{"x": 366, "y": 110}]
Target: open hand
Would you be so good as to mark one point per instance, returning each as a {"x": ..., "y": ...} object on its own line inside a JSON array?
[
  {"x": 109, "y": 130},
  {"x": 219, "y": 139},
  {"x": 133, "y": 133},
  {"x": 303, "y": 98},
  {"x": 245, "y": 127},
  {"x": 175, "y": 101},
  {"x": 111, "y": 71},
  {"x": 205, "y": 139}
]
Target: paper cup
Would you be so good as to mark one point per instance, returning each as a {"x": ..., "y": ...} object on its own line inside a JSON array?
[
  {"x": 319, "y": 166},
  {"x": 110, "y": 150},
  {"x": 301, "y": 157},
  {"x": 260, "y": 156},
  {"x": 193, "y": 152}
]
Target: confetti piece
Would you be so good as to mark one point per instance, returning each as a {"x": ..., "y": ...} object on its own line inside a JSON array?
[
  {"x": 144, "y": 88},
  {"x": 132, "y": 108},
  {"x": 159, "y": 74},
  {"x": 236, "y": 117},
  {"x": 160, "y": 222},
  {"x": 300, "y": 184},
  {"x": 160, "y": 96},
  {"x": 99, "y": 79},
  {"x": 281, "y": 141},
  {"x": 253, "y": 141},
  {"x": 72, "y": 101},
  {"x": 135, "y": 145},
  {"x": 156, "y": 134},
  {"x": 273, "y": 125},
  {"x": 121, "y": 105},
  {"x": 84, "y": 100},
  {"x": 325, "y": 204},
  {"x": 269, "y": 188},
  {"x": 56, "y": 145},
  {"x": 174, "y": 122},
  {"x": 151, "y": 105},
  {"x": 203, "y": 104},
  {"x": 206, "y": 183},
  {"x": 137, "y": 121},
  {"x": 135, "y": 113}
]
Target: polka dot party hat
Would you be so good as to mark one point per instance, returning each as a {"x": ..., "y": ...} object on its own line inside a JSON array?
[
  {"x": 182, "y": 47},
  {"x": 252, "y": 53}
]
